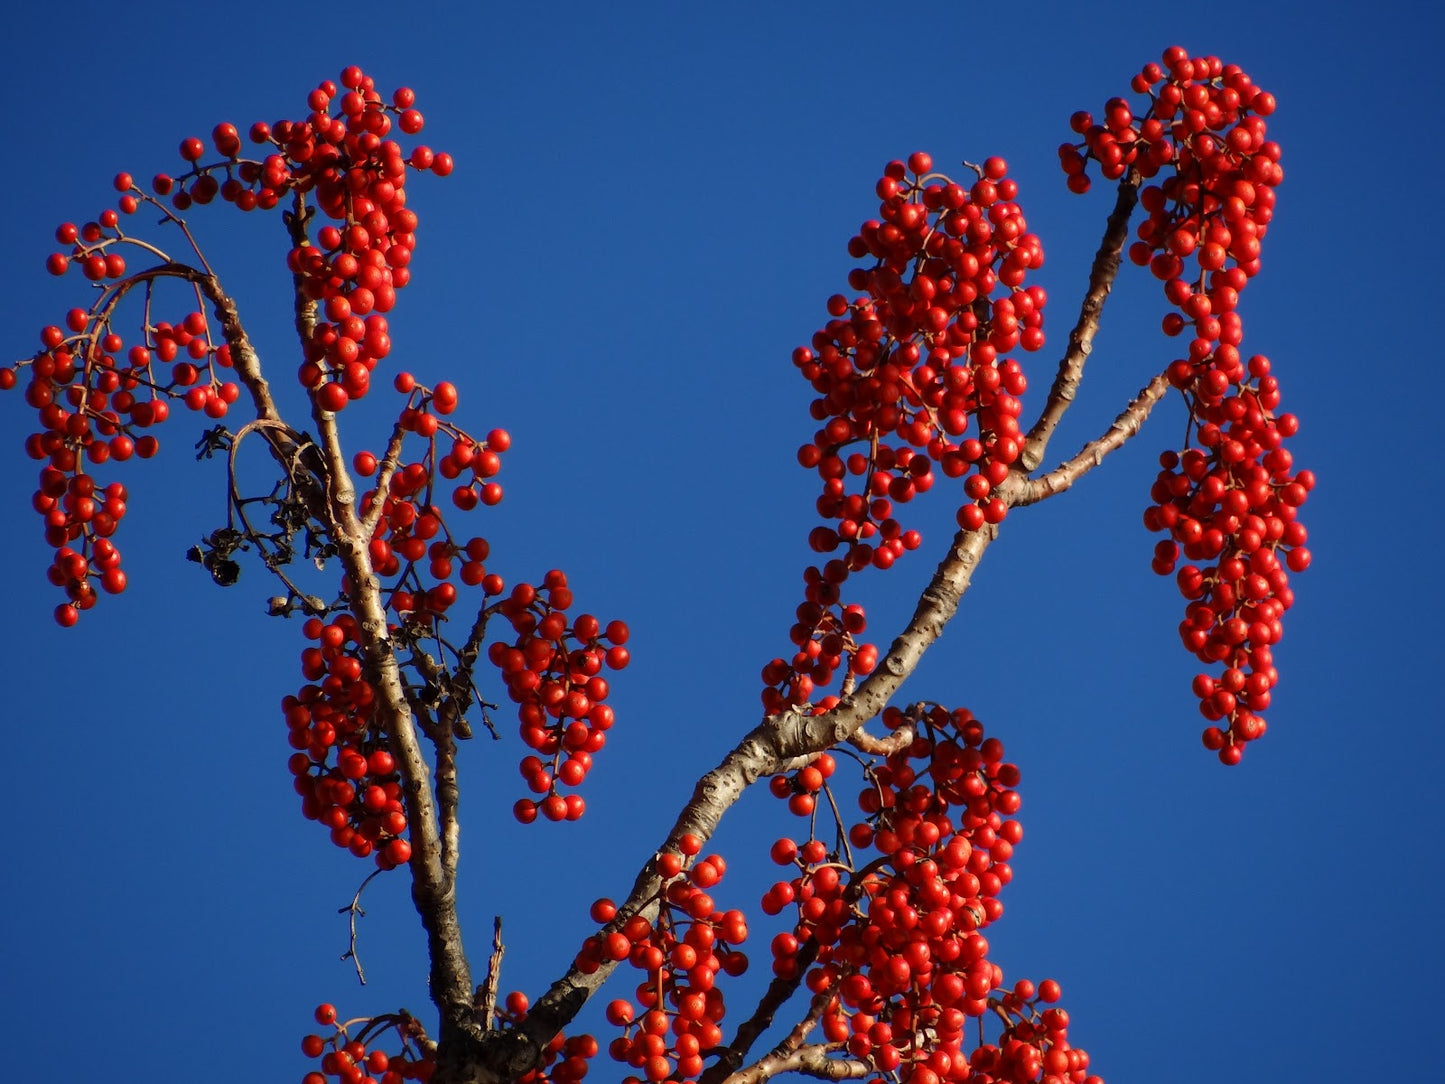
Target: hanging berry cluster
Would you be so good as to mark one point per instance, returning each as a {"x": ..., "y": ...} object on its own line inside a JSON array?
[
  {"x": 892, "y": 942},
  {"x": 353, "y": 267},
  {"x": 411, "y": 545},
  {"x": 354, "y": 1053},
  {"x": 824, "y": 634},
  {"x": 553, "y": 673},
  {"x": 910, "y": 374},
  {"x": 1230, "y": 503},
  {"x": 680, "y": 954},
  {"x": 357, "y": 794},
  {"x": 96, "y": 397}
]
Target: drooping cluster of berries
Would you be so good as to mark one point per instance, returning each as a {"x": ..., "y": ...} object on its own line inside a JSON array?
[
  {"x": 353, "y": 267},
  {"x": 76, "y": 511},
  {"x": 1033, "y": 1045},
  {"x": 94, "y": 398},
  {"x": 339, "y": 153},
  {"x": 553, "y": 673},
  {"x": 354, "y": 1053},
  {"x": 344, "y": 772},
  {"x": 675, "y": 1013},
  {"x": 895, "y": 936},
  {"x": 411, "y": 544},
  {"x": 1233, "y": 499},
  {"x": 552, "y": 669},
  {"x": 904, "y": 370},
  {"x": 912, "y": 373},
  {"x": 825, "y": 637}
]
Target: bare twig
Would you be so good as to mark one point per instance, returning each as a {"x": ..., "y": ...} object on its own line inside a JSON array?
[
  {"x": 487, "y": 992},
  {"x": 353, "y": 911}
]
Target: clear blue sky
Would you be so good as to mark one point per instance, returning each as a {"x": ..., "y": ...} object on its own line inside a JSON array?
[{"x": 650, "y": 206}]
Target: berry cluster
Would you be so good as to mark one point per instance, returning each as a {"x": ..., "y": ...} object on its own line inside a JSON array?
[
  {"x": 93, "y": 398},
  {"x": 824, "y": 635},
  {"x": 903, "y": 371},
  {"x": 411, "y": 533},
  {"x": 355, "y": 266},
  {"x": 353, "y": 1054},
  {"x": 895, "y": 940},
  {"x": 680, "y": 954},
  {"x": 1033, "y": 1044},
  {"x": 801, "y": 789},
  {"x": 1232, "y": 500},
  {"x": 96, "y": 397},
  {"x": 553, "y": 673},
  {"x": 73, "y": 503},
  {"x": 352, "y": 269},
  {"x": 553, "y": 669},
  {"x": 357, "y": 795}
]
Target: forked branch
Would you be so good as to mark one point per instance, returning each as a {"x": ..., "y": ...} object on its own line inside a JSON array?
[
  {"x": 791, "y": 1055},
  {"x": 777, "y": 742}
]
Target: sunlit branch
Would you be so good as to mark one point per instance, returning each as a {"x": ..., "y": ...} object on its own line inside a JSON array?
[
  {"x": 791, "y": 1055},
  {"x": 487, "y": 992},
  {"x": 1081, "y": 339},
  {"x": 1127, "y": 425},
  {"x": 433, "y": 844},
  {"x": 895, "y": 742},
  {"x": 779, "y": 740}
]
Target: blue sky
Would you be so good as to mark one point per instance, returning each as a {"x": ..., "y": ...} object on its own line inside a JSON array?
[{"x": 650, "y": 206}]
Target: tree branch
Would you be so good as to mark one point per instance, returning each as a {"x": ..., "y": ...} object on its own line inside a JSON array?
[
  {"x": 776, "y": 741},
  {"x": 809, "y": 1061},
  {"x": 779, "y": 991},
  {"x": 791, "y": 1056},
  {"x": 433, "y": 838},
  {"x": 1081, "y": 339},
  {"x": 896, "y": 742},
  {"x": 1020, "y": 490},
  {"x": 433, "y": 856}
]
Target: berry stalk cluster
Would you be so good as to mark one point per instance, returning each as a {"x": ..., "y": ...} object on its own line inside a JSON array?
[{"x": 1228, "y": 501}]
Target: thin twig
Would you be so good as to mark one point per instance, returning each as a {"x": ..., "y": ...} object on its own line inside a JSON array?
[
  {"x": 354, "y": 911},
  {"x": 487, "y": 992},
  {"x": 779, "y": 991}
]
